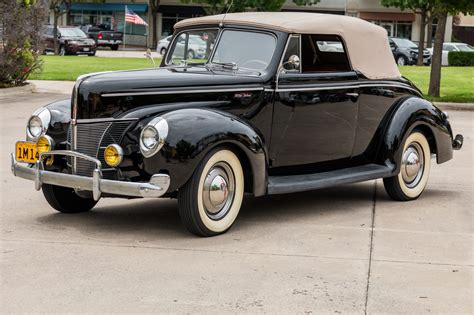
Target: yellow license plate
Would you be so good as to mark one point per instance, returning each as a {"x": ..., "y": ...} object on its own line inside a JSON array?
[{"x": 26, "y": 152}]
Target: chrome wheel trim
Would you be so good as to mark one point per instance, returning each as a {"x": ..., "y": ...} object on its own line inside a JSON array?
[
  {"x": 218, "y": 191},
  {"x": 412, "y": 165},
  {"x": 401, "y": 61}
]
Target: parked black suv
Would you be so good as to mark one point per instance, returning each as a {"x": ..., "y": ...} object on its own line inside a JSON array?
[{"x": 405, "y": 52}]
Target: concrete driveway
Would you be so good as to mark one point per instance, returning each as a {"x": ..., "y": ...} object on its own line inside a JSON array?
[{"x": 347, "y": 249}]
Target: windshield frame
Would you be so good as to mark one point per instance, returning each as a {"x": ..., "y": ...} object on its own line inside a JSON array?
[
  {"x": 220, "y": 31},
  {"x": 174, "y": 40},
  {"x": 218, "y": 41}
]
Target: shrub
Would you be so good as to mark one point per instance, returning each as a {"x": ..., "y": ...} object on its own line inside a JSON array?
[
  {"x": 461, "y": 58},
  {"x": 21, "y": 23}
]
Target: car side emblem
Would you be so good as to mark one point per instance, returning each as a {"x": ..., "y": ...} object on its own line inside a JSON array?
[{"x": 243, "y": 95}]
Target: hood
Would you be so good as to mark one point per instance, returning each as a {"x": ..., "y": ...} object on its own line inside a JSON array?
[{"x": 111, "y": 94}]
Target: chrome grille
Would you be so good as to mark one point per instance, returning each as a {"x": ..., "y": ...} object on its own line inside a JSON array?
[{"x": 92, "y": 139}]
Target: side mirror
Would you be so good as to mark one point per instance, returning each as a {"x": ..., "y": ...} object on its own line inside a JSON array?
[
  {"x": 294, "y": 62},
  {"x": 59, "y": 36}
]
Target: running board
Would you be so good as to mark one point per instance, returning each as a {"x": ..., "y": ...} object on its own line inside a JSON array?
[{"x": 294, "y": 183}]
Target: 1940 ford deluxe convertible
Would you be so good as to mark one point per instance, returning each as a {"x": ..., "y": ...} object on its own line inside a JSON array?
[{"x": 280, "y": 103}]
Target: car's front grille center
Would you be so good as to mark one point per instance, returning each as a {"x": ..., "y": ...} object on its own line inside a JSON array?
[{"x": 92, "y": 138}]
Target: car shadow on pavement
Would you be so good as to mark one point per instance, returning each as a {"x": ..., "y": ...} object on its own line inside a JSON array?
[{"x": 160, "y": 218}]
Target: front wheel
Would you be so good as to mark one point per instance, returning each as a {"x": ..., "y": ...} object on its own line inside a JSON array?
[
  {"x": 402, "y": 61},
  {"x": 65, "y": 199},
  {"x": 410, "y": 183},
  {"x": 114, "y": 47},
  {"x": 210, "y": 201}
]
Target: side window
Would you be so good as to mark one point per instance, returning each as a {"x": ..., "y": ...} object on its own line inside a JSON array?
[
  {"x": 293, "y": 49},
  {"x": 323, "y": 53},
  {"x": 49, "y": 31},
  {"x": 178, "y": 52}
]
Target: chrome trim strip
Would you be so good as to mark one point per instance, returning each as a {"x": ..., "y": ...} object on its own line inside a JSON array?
[
  {"x": 160, "y": 92},
  {"x": 99, "y": 120},
  {"x": 156, "y": 187},
  {"x": 339, "y": 87}
]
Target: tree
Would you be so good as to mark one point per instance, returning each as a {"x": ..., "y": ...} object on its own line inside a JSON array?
[
  {"x": 21, "y": 24},
  {"x": 421, "y": 7},
  {"x": 221, "y": 6},
  {"x": 441, "y": 9},
  {"x": 154, "y": 4}
]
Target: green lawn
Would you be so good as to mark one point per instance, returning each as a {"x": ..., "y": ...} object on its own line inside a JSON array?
[
  {"x": 457, "y": 84},
  {"x": 68, "y": 68}
]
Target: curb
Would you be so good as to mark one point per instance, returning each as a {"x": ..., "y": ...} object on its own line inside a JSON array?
[
  {"x": 27, "y": 88},
  {"x": 456, "y": 106}
]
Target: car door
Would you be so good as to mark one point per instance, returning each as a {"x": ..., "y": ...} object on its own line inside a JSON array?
[
  {"x": 48, "y": 39},
  {"x": 315, "y": 112}
]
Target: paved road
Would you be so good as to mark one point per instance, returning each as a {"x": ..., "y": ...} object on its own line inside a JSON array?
[{"x": 345, "y": 249}]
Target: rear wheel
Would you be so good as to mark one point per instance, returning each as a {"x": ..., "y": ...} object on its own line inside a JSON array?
[
  {"x": 163, "y": 51},
  {"x": 65, "y": 199},
  {"x": 114, "y": 47},
  {"x": 410, "y": 183},
  {"x": 92, "y": 54},
  {"x": 191, "y": 54},
  {"x": 210, "y": 201}
]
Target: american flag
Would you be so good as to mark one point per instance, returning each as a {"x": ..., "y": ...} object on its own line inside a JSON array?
[{"x": 132, "y": 17}]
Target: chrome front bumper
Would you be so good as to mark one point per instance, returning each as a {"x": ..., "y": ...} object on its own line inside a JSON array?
[{"x": 156, "y": 187}]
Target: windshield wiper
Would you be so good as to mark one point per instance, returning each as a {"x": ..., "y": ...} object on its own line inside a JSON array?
[{"x": 226, "y": 65}]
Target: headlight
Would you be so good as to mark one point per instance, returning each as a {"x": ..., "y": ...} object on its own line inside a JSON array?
[
  {"x": 38, "y": 124},
  {"x": 73, "y": 42},
  {"x": 153, "y": 136},
  {"x": 113, "y": 155}
]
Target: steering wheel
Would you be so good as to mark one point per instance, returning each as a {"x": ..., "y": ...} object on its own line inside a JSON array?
[{"x": 265, "y": 64}]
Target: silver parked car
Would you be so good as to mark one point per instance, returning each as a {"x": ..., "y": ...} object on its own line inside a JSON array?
[
  {"x": 196, "y": 46},
  {"x": 447, "y": 47}
]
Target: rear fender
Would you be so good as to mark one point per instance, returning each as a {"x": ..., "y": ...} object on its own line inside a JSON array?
[{"x": 415, "y": 113}]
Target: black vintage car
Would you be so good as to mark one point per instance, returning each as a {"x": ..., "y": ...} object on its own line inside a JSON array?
[{"x": 281, "y": 103}]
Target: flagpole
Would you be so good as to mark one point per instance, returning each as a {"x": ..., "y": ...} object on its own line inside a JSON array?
[{"x": 125, "y": 27}]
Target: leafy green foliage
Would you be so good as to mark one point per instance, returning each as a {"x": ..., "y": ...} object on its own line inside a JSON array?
[
  {"x": 20, "y": 40},
  {"x": 461, "y": 58},
  {"x": 221, "y": 6}
]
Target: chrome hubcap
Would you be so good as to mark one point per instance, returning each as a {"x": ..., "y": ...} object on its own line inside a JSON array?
[
  {"x": 412, "y": 165},
  {"x": 218, "y": 191}
]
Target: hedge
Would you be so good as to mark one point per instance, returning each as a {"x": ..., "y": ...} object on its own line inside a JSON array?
[{"x": 461, "y": 58}]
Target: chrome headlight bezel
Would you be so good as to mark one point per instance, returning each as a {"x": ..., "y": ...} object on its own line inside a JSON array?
[
  {"x": 43, "y": 116},
  {"x": 159, "y": 127}
]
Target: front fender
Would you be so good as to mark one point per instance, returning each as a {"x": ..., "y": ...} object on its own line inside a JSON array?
[
  {"x": 415, "y": 113},
  {"x": 194, "y": 132}
]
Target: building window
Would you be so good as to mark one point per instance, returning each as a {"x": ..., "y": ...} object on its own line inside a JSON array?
[{"x": 395, "y": 28}]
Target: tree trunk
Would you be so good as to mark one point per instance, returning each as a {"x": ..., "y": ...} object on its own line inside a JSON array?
[
  {"x": 435, "y": 76},
  {"x": 421, "y": 44},
  {"x": 154, "y": 4},
  {"x": 429, "y": 36},
  {"x": 55, "y": 31}
]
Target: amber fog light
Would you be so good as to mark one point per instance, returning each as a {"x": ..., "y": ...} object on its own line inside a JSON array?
[
  {"x": 45, "y": 144},
  {"x": 113, "y": 155}
]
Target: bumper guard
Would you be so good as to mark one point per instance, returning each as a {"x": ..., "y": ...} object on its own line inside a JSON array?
[{"x": 156, "y": 187}]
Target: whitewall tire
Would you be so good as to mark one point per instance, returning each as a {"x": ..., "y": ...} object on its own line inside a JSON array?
[
  {"x": 210, "y": 201},
  {"x": 415, "y": 167}
]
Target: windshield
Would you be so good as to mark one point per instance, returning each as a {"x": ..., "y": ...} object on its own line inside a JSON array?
[
  {"x": 72, "y": 32},
  {"x": 404, "y": 43},
  {"x": 192, "y": 47},
  {"x": 465, "y": 48},
  {"x": 248, "y": 50}
]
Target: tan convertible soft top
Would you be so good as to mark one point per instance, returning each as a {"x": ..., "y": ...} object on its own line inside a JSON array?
[{"x": 367, "y": 44}]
